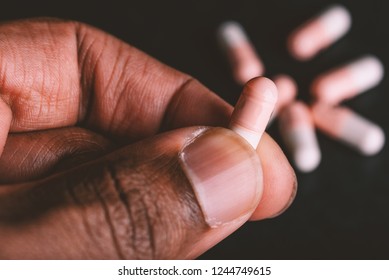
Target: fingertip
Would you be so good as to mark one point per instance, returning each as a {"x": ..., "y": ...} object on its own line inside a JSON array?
[{"x": 279, "y": 181}]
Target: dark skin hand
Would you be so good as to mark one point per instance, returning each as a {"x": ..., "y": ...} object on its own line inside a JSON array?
[{"x": 103, "y": 143}]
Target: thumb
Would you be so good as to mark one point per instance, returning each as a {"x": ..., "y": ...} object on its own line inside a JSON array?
[{"x": 172, "y": 196}]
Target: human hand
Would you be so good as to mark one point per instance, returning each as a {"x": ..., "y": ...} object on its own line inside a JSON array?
[{"x": 93, "y": 166}]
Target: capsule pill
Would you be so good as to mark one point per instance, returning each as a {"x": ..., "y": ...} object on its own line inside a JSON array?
[
  {"x": 298, "y": 132},
  {"x": 348, "y": 80},
  {"x": 253, "y": 109},
  {"x": 319, "y": 32},
  {"x": 245, "y": 62},
  {"x": 350, "y": 128}
]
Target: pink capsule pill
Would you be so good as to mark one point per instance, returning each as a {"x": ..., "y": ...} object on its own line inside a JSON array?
[
  {"x": 348, "y": 80},
  {"x": 350, "y": 128},
  {"x": 253, "y": 110},
  {"x": 287, "y": 91},
  {"x": 319, "y": 33},
  {"x": 244, "y": 60},
  {"x": 298, "y": 132}
]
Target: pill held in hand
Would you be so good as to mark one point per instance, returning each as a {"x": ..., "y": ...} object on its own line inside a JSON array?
[
  {"x": 298, "y": 132},
  {"x": 253, "y": 109},
  {"x": 348, "y": 80},
  {"x": 319, "y": 32},
  {"x": 347, "y": 126},
  {"x": 245, "y": 62}
]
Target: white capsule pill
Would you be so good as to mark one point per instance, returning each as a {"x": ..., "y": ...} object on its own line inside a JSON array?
[
  {"x": 320, "y": 32},
  {"x": 348, "y": 80},
  {"x": 244, "y": 60},
  {"x": 287, "y": 91},
  {"x": 350, "y": 128},
  {"x": 253, "y": 110},
  {"x": 298, "y": 133}
]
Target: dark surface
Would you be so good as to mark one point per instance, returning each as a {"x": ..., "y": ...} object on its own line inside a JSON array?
[{"x": 342, "y": 208}]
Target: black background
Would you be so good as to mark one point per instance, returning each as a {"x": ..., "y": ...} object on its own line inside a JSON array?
[{"x": 342, "y": 208}]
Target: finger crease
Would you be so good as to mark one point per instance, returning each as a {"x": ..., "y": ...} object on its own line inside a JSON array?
[
  {"x": 110, "y": 224},
  {"x": 149, "y": 228},
  {"x": 173, "y": 103},
  {"x": 123, "y": 200}
]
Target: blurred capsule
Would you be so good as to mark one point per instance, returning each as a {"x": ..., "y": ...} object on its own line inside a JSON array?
[
  {"x": 253, "y": 110},
  {"x": 319, "y": 32},
  {"x": 287, "y": 91},
  {"x": 348, "y": 80},
  {"x": 245, "y": 62},
  {"x": 347, "y": 126},
  {"x": 298, "y": 133}
]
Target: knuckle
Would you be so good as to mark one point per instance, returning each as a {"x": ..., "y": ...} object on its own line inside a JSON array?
[
  {"x": 126, "y": 215},
  {"x": 143, "y": 214},
  {"x": 136, "y": 226}
]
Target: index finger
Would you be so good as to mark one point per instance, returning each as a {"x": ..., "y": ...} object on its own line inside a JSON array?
[{"x": 55, "y": 73}]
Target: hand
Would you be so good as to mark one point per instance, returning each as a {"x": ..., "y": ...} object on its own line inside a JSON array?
[{"x": 112, "y": 154}]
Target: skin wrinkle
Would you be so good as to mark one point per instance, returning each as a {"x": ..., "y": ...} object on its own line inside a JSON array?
[
  {"x": 14, "y": 57},
  {"x": 123, "y": 200},
  {"x": 174, "y": 102},
  {"x": 43, "y": 157},
  {"x": 156, "y": 180},
  {"x": 43, "y": 152},
  {"x": 41, "y": 89},
  {"x": 47, "y": 95},
  {"x": 57, "y": 86},
  {"x": 150, "y": 231},
  {"x": 98, "y": 93},
  {"x": 117, "y": 224},
  {"x": 189, "y": 209},
  {"x": 133, "y": 194},
  {"x": 120, "y": 80},
  {"x": 109, "y": 223},
  {"x": 140, "y": 242},
  {"x": 73, "y": 147},
  {"x": 57, "y": 151},
  {"x": 82, "y": 53},
  {"x": 147, "y": 225},
  {"x": 140, "y": 96},
  {"x": 143, "y": 245},
  {"x": 131, "y": 228},
  {"x": 45, "y": 98},
  {"x": 25, "y": 156},
  {"x": 51, "y": 154}
]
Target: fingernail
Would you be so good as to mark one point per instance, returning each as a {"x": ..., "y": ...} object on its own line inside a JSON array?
[{"x": 225, "y": 174}]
